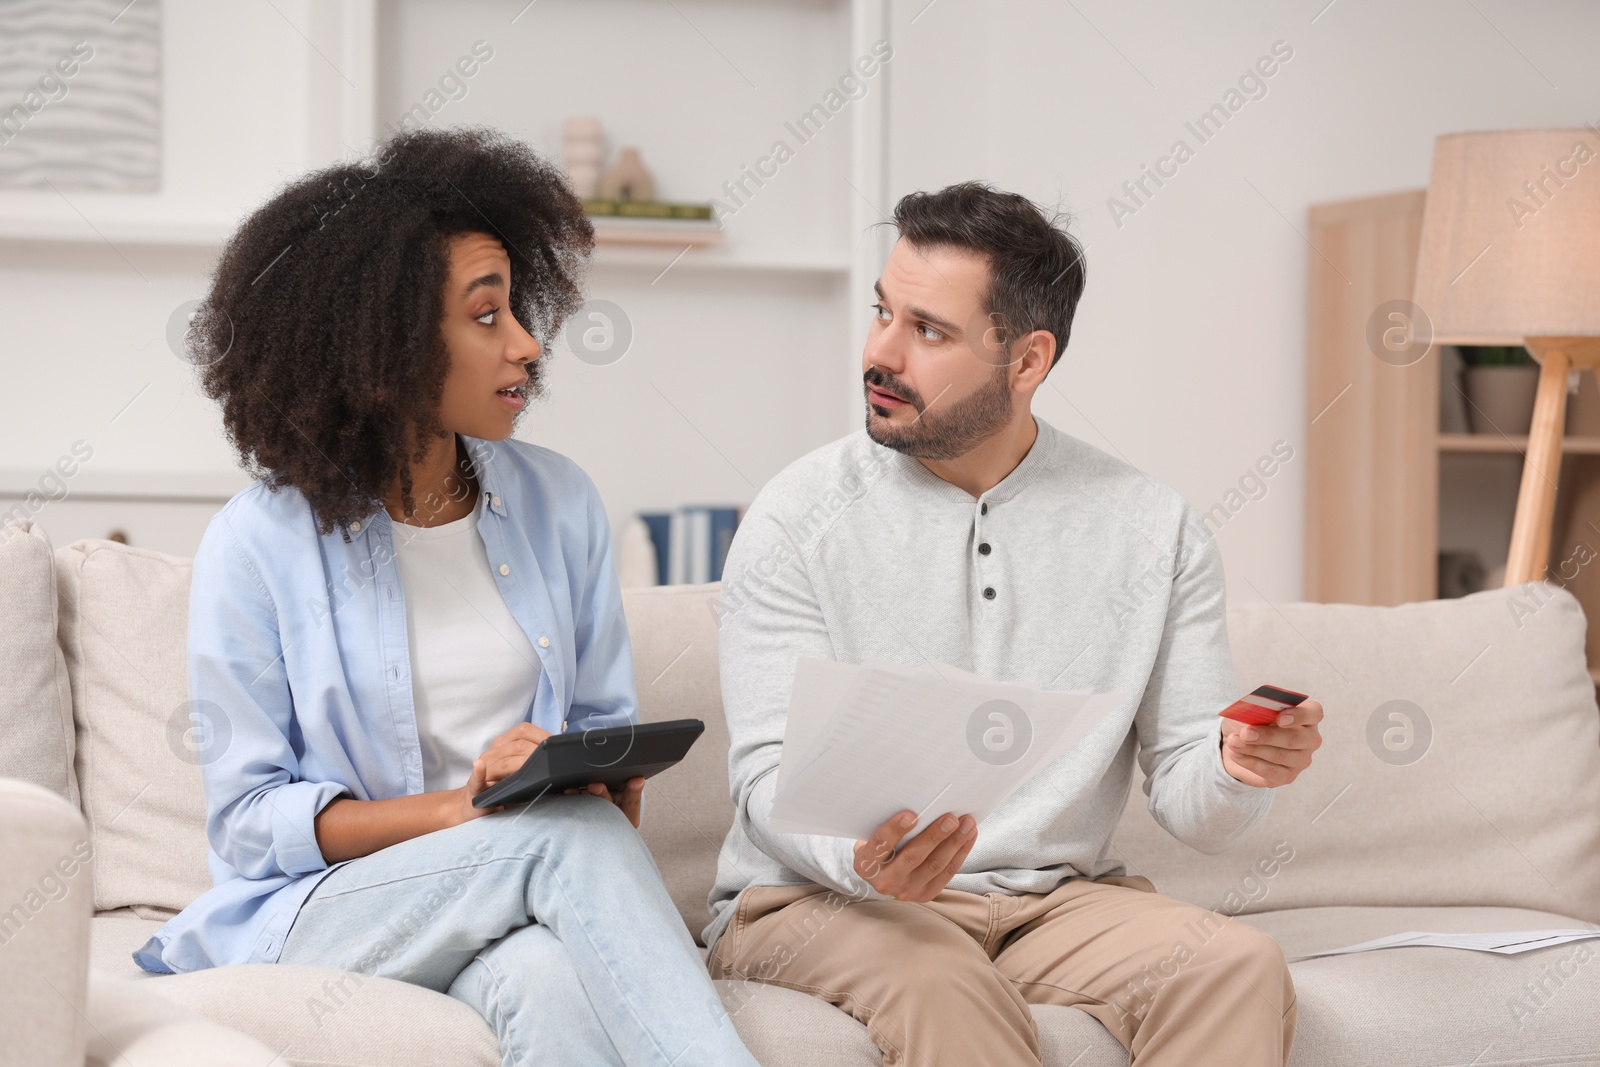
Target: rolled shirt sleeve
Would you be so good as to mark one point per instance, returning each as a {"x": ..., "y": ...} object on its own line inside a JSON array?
[{"x": 259, "y": 813}]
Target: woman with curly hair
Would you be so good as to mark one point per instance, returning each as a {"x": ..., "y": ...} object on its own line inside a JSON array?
[{"x": 405, "y": 604}]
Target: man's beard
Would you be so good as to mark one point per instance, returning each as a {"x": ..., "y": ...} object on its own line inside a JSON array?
[{"x": 949, "y": 431}]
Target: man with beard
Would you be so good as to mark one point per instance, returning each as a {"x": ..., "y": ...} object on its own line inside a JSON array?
[{"x": 959, "y": 527}]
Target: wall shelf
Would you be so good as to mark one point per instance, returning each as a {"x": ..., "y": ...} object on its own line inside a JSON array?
[
  {"x": 611, "y": 251},
  {"x": 717, "y": 259},
  {"x": 611, "y": 230},
  {"x": 1513, "y": 443},
  {"x": 183, "y": 233}
]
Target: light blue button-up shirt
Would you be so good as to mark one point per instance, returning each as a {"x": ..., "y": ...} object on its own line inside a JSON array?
[{"x": 300, "y": 676}]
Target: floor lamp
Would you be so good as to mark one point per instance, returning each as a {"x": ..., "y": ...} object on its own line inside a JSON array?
[{"x": 1511, "y": 255}]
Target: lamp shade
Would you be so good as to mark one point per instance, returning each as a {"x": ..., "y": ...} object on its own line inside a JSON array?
[{"x": 1511, "y": 236}]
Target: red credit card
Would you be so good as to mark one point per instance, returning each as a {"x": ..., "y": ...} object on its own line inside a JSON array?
[{"x": 1262, "y": 705}]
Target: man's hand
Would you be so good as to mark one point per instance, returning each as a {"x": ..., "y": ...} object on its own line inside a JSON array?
[
  {"x": 1274, "y": 754},
  {"x": 920, "y": 871}
]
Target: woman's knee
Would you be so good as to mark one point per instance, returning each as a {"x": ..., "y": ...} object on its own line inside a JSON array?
[
  {"x": 533, "y": 959},
  {"x": 559, "y": 830}
]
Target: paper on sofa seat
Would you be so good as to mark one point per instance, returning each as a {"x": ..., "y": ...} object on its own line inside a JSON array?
[
  {"x": 1506, "y": 943},
  {"x": 863, "y": 741}
]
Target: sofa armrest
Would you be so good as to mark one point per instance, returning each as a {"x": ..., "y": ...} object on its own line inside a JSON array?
[
  {"x": 130, "y": 1023},
  {"x": 46, "y": 900}
]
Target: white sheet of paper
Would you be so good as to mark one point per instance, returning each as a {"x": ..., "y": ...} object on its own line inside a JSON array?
[
  {"x": 1505, "y": 943},
  {"x": 821, "y": 686},
  {"x": 863, "y": 741}
]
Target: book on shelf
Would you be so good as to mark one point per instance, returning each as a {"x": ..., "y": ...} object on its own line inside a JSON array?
[
  {"x": 647, "y": 209},
  {"x": 691, "y": 542}
]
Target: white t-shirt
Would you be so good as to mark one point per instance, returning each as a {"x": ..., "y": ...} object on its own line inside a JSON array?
[{"x": 473, "y": 671}]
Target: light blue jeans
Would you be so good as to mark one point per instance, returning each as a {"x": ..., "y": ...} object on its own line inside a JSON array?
[{"x": 550, "y": 919}]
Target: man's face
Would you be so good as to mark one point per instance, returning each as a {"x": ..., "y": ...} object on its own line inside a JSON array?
[
  {"x": 489, "y": 350},
  {"x": 937, "y": 381}
]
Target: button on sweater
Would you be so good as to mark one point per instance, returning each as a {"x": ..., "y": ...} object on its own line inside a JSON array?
[{"x": 1075, "y": 571}]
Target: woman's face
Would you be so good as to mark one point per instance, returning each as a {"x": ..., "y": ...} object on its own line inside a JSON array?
[{"x": 494, "y": 362}]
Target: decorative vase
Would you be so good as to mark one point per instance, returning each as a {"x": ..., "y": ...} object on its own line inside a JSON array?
[
  {"x": 1500, "y": 398},
  {"x": 627, "y": 179}
]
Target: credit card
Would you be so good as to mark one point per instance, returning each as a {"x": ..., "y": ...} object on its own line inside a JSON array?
[{"x": 1262, "y": 705}]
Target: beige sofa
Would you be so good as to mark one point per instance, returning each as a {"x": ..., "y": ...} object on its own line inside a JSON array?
[{"x": 1495, "y": 826}]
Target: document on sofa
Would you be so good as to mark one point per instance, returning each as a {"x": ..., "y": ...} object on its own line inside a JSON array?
[
  {"x": 863, "y": 741},
  {"x": 1508, "y": 943}
]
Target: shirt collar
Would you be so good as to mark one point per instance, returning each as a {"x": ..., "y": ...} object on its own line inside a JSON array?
[
  {"x": 1027, "y": 470},
  {"x": 488, "y": 463}
]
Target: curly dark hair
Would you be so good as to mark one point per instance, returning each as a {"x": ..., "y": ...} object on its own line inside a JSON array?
[
  {"x": 321, "y": 332},
  {"x": 1036, "y": 268}
]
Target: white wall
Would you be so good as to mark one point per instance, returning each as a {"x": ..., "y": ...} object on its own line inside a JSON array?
[
  {"x": 1187, "y": 355},
  {"x": 84, "y": 309},
  {"x": 1188, "y": 351}
]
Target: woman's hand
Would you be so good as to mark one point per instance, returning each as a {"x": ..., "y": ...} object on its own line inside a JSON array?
[
  {"x": 511, "y": 750},
  {"x": 508, "y": 753},
  {"x": 461, "y": 809},
  {"x": 629, "y": 800}
]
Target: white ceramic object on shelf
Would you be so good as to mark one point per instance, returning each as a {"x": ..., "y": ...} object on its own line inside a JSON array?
[{"x": 583, "y": 152}]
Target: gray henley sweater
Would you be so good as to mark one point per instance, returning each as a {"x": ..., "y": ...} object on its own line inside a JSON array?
[{"x": 1076, "y": 571}]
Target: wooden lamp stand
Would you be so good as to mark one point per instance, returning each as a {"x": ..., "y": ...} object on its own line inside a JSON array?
[{"x": 1536, "y": 497}]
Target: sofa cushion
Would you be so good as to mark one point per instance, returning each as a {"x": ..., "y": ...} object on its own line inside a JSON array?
[
  {"x": 389, "y": 1023},
  {"x": 312, "y": 1015},
  {"x": 1302, "y": 931},
  {"x": 132, "y": 1026},
  {"x": 1354, "y": 1010},
  {"x": 1460, "y": 762},
  {"x": 318, "y": 1016},
  {"x": 45, "y": 875},
  {"x": 687, "y": 812},
  {"x": 124, "y": 620},
  {"x": 35, "y": 692},
  {"x": 1436, "y": 1005}
]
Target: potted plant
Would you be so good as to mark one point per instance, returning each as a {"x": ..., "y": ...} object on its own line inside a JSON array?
[{"x": 1499, "y": 382}]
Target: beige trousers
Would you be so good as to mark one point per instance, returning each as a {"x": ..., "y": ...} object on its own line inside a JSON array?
[{"x": 950, "y": 981}]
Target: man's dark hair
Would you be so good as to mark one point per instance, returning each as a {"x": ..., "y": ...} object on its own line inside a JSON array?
[
  {"x": 321, "y": 332},
  {"x": 1036, "y": 268}
]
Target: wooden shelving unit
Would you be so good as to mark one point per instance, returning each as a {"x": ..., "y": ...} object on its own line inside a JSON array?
[
  {"x": 1385, "y": 489},
  {"x": 1587, "y": 445},
  {"x": 610, "y": 230}
]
